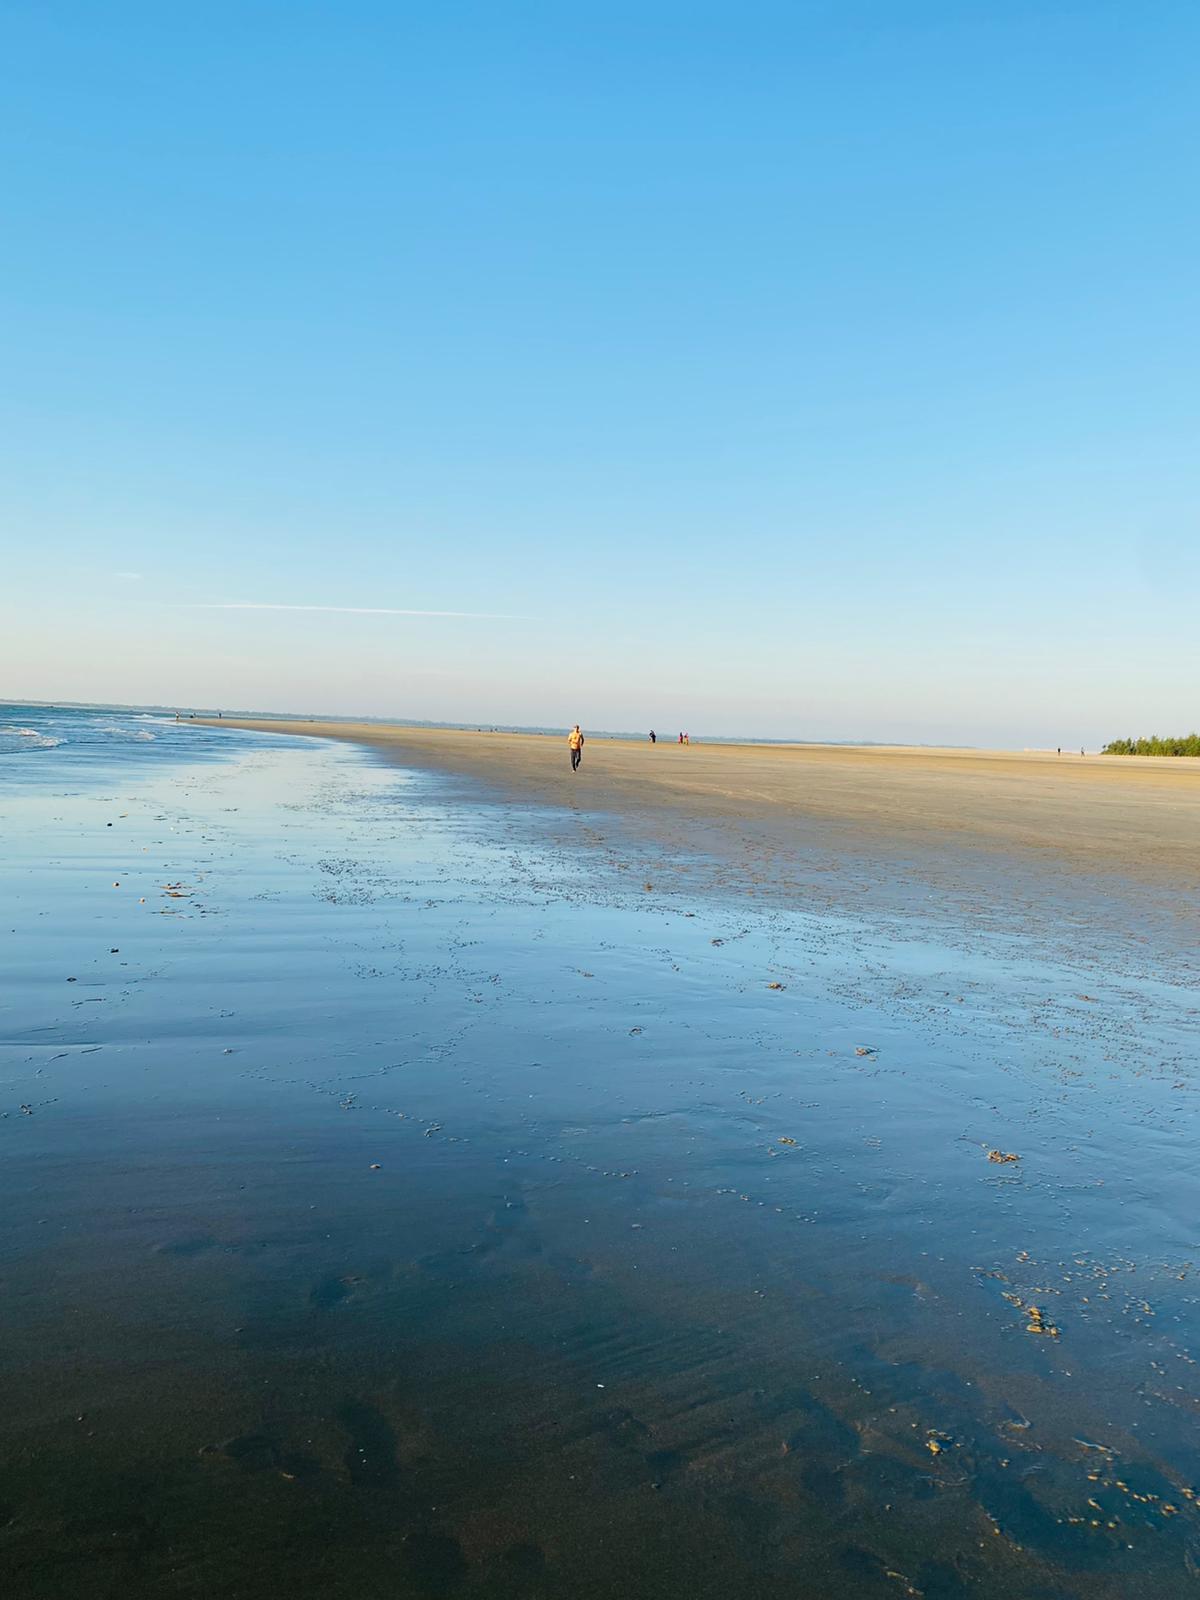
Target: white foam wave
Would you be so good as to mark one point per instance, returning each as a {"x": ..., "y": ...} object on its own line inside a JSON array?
[{"x": 33, "y": 739}]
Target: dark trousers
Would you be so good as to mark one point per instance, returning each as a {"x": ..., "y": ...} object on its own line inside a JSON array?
[{"x": 576, "y": 758}]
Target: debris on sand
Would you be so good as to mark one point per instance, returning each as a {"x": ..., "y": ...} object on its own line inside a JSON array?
[
  {"x": 1003, "y": 1155},
  {"x": 1037, "y": 1323}
]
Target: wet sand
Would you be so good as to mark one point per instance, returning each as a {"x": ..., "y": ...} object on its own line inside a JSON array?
[
  {"x": 402, "y": 1199},
  {"x": 1138, "y": 819}
]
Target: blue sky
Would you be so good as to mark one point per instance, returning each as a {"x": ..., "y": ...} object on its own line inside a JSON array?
[{"x": 809, "y": 369}]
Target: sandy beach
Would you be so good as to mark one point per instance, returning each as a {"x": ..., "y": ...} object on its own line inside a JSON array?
[{"x": 1137, "y": 818}]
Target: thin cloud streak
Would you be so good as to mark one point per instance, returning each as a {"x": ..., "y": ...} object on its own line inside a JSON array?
[{"x": 351, "y": 611}]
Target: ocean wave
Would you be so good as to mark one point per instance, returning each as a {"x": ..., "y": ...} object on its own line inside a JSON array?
[
  {"x": 142, "y": 735},
  {"x": 33, "y": 740}
]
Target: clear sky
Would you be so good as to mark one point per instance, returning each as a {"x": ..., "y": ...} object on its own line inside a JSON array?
[{"x": 799, "y": 369}]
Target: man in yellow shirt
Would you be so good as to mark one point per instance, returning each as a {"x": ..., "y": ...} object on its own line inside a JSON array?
[{"x": 575, "y": 744}]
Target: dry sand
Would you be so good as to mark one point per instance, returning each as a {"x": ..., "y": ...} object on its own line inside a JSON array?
[{"x": 1134, "y": 816}]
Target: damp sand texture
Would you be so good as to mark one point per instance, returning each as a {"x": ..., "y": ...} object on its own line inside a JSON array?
[{"x": 410, "y": 1190}]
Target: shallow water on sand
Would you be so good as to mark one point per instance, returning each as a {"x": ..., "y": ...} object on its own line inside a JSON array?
[{"x": 398, "y": 1205}]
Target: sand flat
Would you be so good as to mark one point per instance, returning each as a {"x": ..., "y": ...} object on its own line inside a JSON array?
[{"x": 1139, "y": 817}]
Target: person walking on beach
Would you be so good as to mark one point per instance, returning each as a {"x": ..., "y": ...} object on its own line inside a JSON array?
[
  {"x": 653, "y": 737},
  {"x": 575, "y": 745}
]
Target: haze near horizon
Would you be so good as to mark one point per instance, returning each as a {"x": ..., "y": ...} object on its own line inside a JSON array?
[{"x": 786, "y": 371}]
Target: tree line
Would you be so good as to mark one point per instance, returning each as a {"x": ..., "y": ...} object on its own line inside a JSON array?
[{"x": 1188, "y": 745}]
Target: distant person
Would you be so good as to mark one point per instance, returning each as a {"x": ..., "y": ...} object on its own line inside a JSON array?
[
  {"x": 575, "y": 745},
  {"x": 687, "y": 738},
  {"x": 681, "y": 738},
  {"x": 653, "y": 737}
]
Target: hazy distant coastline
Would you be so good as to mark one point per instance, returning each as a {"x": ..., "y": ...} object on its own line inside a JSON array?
[{"x": 245, "y": 715}]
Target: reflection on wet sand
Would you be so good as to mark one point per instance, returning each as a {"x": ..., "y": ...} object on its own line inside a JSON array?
[{"x": 408, "y": 1202}]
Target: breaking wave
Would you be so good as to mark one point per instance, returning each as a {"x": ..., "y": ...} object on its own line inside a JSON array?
[{"x": 33, "y": 740}]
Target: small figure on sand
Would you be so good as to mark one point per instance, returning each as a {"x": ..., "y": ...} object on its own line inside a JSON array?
[
  {"x": 653, "y": 737},
  {"x": 681, "y": 738},
  {"x": 687, "y": 738},
  {"x": 575, "y": 745}
]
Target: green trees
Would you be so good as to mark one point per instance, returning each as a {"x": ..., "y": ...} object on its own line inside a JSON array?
[{"x": 1188, "y": 745}]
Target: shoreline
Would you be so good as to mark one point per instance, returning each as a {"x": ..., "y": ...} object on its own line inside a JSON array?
[{"x": 1095, "y": 813}]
